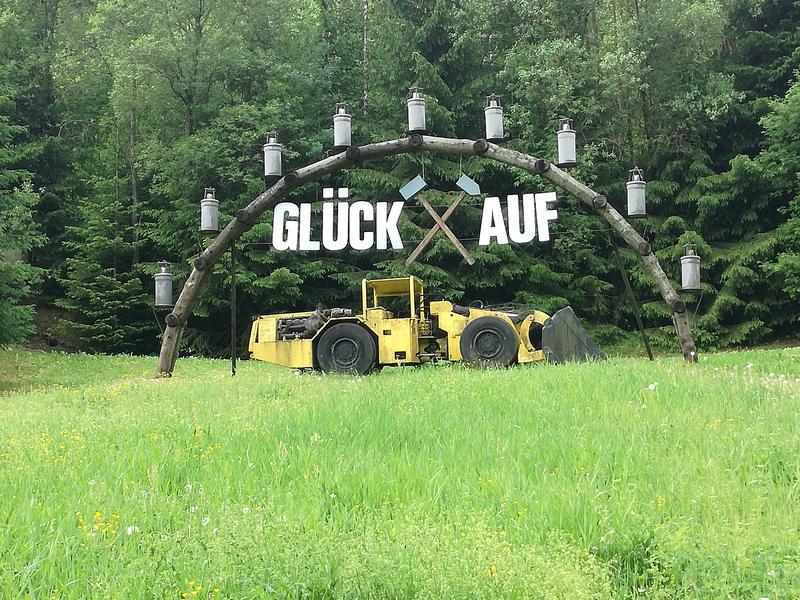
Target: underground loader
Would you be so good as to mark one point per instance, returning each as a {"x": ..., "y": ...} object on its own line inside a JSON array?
[{"x": 400, "y": 325}]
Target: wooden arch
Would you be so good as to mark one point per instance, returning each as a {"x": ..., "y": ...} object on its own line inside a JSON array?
[{"x": 246, "y": 217}]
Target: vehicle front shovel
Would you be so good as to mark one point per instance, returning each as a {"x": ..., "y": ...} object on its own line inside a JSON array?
[{"x": 565, "y": 340}]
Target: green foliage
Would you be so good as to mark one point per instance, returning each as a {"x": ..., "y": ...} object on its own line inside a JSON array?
[
  {"x": 18, "y": 236},
  {"x": 782, "y": 159},
  {"x": 133, "y": 107}
]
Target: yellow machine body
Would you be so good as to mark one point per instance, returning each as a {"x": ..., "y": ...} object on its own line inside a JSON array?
[
  {"x": 454, "y": 323},
  {"x": 425, "y": 331},
  {"x": 264, "y": 344}
]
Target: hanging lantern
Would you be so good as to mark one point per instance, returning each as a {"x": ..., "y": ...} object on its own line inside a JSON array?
[
  {"x": 342, "y": 127},
  {"x": 209, "y": 212},
  {"x": 690, "y": 269},
  {"x": 566, "y": 143},
  {"x": 494, "y": 119},
  {"x": 272, "y": 156},
  {"x": 416, "y": 111},
  {"x": 163, "y": 286},
  {"x": 636, "y": 185}
]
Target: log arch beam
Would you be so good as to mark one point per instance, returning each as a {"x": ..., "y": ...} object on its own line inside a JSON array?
[{"x": 246, "y": 218}]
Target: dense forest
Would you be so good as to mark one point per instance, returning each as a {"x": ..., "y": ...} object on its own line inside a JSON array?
[{"x": 116, "y": 114}]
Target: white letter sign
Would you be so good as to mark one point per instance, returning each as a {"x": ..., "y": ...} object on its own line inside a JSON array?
[
  {"x": 544, "y": 215},
  {"x": 281, "y": 226},
  {"x": 361, "y": 211},
  {"x": 306, "y": 243},
  {"x": 340, "y": 241},
  {"x": 366, "y": 225},
  {"x": 515, "y": 232},
  {"x": 386, "y": 225},
  {"x": 492, "y": 224}
]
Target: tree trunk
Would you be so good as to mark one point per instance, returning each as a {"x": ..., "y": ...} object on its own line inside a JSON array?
[
  {"x": 132, "y": 158},
  {"x": 365, "y": 55}
]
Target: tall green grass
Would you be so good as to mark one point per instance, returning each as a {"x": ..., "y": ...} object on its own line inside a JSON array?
[{"x": 623, "y": 479}]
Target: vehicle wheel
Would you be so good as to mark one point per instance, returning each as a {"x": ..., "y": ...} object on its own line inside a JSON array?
[
  {"x": 346, "y": 348},
  {"x": 489, "y": 341}
]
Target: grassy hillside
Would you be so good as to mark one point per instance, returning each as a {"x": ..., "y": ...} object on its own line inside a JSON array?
[{"x": 626, "y": 478}]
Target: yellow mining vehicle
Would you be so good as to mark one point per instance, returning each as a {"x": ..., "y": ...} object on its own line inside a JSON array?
[{"x": 400, "y": 325}]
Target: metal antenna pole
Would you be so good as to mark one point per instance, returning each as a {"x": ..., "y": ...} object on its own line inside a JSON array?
[
  {"x": 634, "y": 303},
  {"x": 233, "y": 310}
]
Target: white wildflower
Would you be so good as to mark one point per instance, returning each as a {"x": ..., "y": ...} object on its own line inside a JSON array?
[
  {"x": 131, "y": 529},
  {"x": 333, "y": 496},
  {"x": 193, "y": 508},
  {"x": 246, "y": 509},
  {"x": 205, "y": 521}
]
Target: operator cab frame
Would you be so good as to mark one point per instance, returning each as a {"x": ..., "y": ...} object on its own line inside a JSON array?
[
  {"x": 397, "y": 336},
  {"x": 397, "y": 287}
]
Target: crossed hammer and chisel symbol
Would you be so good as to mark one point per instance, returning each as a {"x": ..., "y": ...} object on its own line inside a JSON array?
[{"x": 415, "y": 186}]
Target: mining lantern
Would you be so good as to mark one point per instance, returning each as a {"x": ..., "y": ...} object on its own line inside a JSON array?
[
  {"x": 163, "y": 286},
  {"x": 416, "y": 111},
  {"x": 272, "y": 156},
  {"x": 342, "y": 127},
  {"x": 566, "y": 143},
  {"x": 636, "y": 185},
  {"x": 209, "y": 212},
  {"x": 494, "y": 119},
  {"x": 690, "y": 269}
]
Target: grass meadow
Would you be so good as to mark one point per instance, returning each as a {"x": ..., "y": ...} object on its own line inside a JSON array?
[{"x": 623, "y": 479}]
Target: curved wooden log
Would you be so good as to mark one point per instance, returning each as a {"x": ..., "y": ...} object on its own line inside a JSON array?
[{"x": 246, "y": 218}]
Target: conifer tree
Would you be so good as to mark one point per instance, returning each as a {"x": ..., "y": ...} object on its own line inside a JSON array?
[
  {"x": 106, "y": 300},
  {"x": 18, "y": 235}
]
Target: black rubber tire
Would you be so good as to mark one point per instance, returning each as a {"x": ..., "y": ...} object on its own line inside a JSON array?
[
  {"x": 346, "y": 348},
  {"x": 489, "y": 342}
]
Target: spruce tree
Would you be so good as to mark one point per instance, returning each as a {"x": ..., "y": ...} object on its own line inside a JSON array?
[
  {"x": 106, "y": 297},
  {"x": 18, "y": 235}
]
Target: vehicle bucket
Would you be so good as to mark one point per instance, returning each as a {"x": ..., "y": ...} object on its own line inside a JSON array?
[{"x": 565, "y": 340}]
